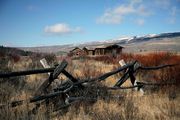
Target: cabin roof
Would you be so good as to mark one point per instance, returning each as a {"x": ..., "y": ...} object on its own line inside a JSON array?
[
  {"x": 89, "y": 48},
  {"x": 103, "y": 46},
  {"x": 75, "y": 49}
]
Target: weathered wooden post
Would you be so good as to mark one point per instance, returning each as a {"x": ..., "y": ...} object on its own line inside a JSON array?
[
  {"x": 44, "y": 64},
  {"x": 134, "y": 83},
  {"x": 52, "y": 77}
]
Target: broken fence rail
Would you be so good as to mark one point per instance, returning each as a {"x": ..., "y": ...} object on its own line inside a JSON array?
[
  {"x": 46, "y": 70},
  {"x": 52, "y": 95},
  {"x": 55, "y": 71}
]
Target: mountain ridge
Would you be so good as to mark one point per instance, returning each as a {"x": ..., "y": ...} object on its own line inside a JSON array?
[{"x": 139, "y": 42}]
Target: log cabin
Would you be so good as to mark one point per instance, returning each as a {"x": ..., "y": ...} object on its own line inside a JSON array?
[{"x": 112, "y": 49}]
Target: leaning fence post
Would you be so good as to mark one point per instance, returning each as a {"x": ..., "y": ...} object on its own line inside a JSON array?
[
  {"x": 52, "y": 77},
  {"x": 122, "y": 63},
  {"x": 44, "y": 64}
]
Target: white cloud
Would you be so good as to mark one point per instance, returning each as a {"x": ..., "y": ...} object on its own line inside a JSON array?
[
  {"x": 110, "y": 18},
  {"x": 117, "y": 14},
  {"x": 61, "y": 29},
  {"x": 173, "y": 13},
  {"x": 142, "y": 10},
  {"x": 123, "y": 9},
  {"x": 140, "y": 22},
  {"x": 170, "y": 7}
]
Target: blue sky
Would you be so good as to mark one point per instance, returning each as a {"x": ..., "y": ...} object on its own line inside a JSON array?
[{"x": 26, "y": 23}]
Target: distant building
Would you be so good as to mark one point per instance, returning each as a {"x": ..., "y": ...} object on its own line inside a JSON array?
[
  {"x": 89, "y": 51},
  {"x": 113, "y": 49},
  {"x": 76, "y": 52}
]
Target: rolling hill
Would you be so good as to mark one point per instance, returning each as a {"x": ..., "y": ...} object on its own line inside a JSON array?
[{"x": 146, "y": 43}]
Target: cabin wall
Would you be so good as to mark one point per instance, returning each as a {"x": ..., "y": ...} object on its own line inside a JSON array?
[
  {"x": 108, "y": 51},
  {"x": 99, "y": 51},
  {"x": 90, "y": 52}
]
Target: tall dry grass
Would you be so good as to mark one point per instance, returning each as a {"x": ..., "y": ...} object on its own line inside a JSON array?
[
  {"x": 152, "y": 107},
  {"x": 110, "y": 105},
  {"x": 20, "y": 88}
]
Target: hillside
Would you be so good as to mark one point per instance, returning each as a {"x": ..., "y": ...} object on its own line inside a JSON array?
[
  {"x": 150, "y": 42},
  {"x": 4, "y": 51},
  {"x": 155, "y": 44}
]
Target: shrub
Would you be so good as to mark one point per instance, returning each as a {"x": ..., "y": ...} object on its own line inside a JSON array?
[{"x": 170, "y": 74}]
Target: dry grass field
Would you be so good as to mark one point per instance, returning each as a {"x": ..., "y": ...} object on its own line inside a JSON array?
[{"x": 157, "y": 103}]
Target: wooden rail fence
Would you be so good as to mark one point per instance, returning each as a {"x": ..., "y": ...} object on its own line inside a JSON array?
[{"x": 42, "y": 93}]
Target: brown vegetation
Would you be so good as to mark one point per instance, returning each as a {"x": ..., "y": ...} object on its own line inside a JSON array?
[
  {"x": 150, "y": 59},
  {"x": 121, "y": 104}
]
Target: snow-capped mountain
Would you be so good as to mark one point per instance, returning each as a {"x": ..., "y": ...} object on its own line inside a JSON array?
[
  {"x": 145, "y": 38},
  {"x": 163, "y": 41}
]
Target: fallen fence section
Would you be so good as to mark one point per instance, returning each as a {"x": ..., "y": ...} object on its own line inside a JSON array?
[{"x": 43, "y": 94}]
